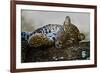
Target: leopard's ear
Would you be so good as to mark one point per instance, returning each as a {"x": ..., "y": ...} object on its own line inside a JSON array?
[
  {"x": 67, "y": 19},
  {"x": 81, "y": 37}
]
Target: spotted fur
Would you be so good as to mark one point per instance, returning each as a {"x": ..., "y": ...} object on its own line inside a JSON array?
[{"x": 66, "y": 34}]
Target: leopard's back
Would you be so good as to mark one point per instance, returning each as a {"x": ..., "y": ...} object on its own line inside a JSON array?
[{"x": 51, "y": 30}]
